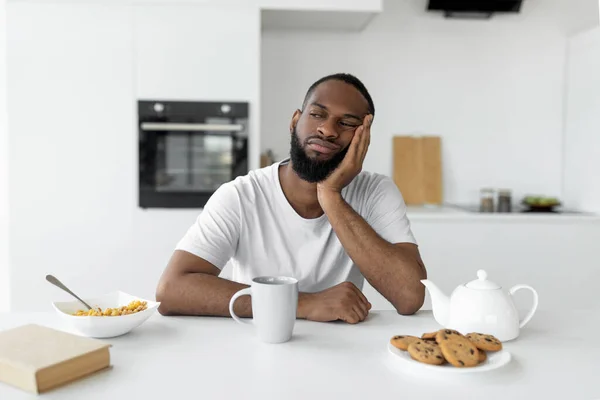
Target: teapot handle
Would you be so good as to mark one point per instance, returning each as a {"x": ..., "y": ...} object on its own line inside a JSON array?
[{"x": 535, "y": 302}]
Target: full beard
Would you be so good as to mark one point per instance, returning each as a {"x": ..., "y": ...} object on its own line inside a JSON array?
[{"x": 308, "y": 169}]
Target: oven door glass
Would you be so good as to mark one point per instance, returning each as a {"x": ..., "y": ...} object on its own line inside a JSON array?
[{"x": 193, "y": 161}]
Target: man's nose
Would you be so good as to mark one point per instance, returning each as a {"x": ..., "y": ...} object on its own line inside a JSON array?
[{"x": 328, "y": 128}]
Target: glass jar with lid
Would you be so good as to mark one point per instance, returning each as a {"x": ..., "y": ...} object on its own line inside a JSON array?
[
  {"x": 504, "y": 201},
  {"x": 486, "y": 198}
]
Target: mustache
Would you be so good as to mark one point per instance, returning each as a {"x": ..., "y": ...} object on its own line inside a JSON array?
[{"x": 319, "y": 137}]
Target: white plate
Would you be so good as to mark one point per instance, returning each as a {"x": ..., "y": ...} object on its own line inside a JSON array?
[
  {"x": 104, "y": 327},
  {"x": 494, "y": 361}
]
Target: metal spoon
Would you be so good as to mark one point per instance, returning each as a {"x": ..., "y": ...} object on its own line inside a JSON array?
[{"x": 57, "y": 283}]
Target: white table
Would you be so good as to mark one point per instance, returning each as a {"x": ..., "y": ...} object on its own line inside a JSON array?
[{"x": 556, "y": 357}]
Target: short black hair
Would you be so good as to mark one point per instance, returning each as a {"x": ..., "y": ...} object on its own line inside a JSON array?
[{"x": 347, "y": 78}]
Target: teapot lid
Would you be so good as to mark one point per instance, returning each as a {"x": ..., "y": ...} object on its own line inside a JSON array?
[{"x": 482, "y": 282}]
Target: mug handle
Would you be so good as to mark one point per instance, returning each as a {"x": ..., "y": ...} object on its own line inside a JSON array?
[
  {"x": 243, "y": 292},
  {"x": 535, "y": 302}
]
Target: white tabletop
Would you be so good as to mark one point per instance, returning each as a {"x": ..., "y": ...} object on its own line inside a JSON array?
[{"x": 556, "y": 356}]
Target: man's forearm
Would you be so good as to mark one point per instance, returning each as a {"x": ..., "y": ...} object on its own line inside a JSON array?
[
  {"x": 392, "y": 270},
  {"x": 201, "y": 294},
  {"x": 208, "y": 295}
]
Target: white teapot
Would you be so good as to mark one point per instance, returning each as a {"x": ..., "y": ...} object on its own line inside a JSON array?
[{"x": 480, "y": 306}]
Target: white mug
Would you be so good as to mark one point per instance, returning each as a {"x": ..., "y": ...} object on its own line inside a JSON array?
[{"x": 274, "y": 305}]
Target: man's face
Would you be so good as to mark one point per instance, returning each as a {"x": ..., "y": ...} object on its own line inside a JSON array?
[{"x": 322, "y": 132}]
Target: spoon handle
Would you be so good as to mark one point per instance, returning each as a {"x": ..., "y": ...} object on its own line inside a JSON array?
[{"x": 53, "y": 280}]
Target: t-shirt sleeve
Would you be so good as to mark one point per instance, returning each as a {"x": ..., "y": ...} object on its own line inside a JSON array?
[
  {"x": 215, "y": 233},
  {"x": 386, "y": 213}
]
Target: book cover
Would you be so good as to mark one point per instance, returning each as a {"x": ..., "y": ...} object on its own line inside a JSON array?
[{"x": 37, "y": 358}]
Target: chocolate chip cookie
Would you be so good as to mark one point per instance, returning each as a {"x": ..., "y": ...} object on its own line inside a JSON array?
[
  {"x": 485, "y": 342},
  {"x": 482, "y": 356},
  {"x": 446, "y": 334},
  {"x": 429, "y": 336},
  {"x": 428, "y": 353},
  {"x": 459, "y": 351},
  {"x": 402, "y": 341}
]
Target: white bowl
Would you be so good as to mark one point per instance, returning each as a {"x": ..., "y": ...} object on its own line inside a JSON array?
[{"x": 104, "y": 327}]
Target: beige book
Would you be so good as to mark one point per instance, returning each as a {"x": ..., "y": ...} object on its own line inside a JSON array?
[{"x": 36, "y": 358}]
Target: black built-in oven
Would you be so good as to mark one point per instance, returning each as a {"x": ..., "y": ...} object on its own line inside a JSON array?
[{"x": 188, "y": 149}]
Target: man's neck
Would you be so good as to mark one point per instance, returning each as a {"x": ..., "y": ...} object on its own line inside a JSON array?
[{"x": 301, "y": 195}]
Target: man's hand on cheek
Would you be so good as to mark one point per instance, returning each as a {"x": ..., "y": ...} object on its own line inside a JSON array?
[{"x": 352, "y": 163}]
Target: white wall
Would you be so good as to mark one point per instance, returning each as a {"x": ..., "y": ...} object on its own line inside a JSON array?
[
  {"x": 492, "y": 89},
  {"x": 4, "y": 247},
  {"x": 582, "y": 140},
  {"x": 73, "y": 138}
]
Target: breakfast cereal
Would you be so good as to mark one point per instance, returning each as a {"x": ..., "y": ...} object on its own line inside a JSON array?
[{"x": 133, "y": 307}]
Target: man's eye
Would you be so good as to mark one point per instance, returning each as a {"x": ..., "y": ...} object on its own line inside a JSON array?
[
  {"x": 349, "y": 125},
  {"x": 315, "y": 115}
]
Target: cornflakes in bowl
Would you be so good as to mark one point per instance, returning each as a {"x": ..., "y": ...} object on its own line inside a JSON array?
[
  {"x": 113, "y": 314},
  {"x": 131, "y": 308}
]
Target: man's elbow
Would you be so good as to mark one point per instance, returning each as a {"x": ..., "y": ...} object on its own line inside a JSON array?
[
  {"x": 407, "y": 309},
  {"x": 410, "y": 304},
  {"x": 162, "y": 296}
]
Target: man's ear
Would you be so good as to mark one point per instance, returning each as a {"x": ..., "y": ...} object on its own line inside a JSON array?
[{"x": 294, "y": 120}]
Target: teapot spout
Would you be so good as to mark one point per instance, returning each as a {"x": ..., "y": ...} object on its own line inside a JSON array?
[{"x": 440, "y": 303}]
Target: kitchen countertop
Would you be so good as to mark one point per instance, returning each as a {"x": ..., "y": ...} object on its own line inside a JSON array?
[
  {"x": 216, "y": 358},
  {"x": 462, "y": 213}
]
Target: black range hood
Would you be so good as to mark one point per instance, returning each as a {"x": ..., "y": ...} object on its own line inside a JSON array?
[{"x": 474, "y": 8}]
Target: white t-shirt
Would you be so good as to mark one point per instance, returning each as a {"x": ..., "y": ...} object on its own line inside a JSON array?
[{"x": 250, "y": 222}]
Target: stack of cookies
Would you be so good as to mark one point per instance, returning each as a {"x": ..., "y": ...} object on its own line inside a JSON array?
[{"x": 448, "y": 346}]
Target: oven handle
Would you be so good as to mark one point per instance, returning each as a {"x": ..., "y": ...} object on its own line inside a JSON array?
[{"x": 170, "y": 126}]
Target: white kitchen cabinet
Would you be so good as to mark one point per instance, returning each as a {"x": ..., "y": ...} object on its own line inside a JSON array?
[
  {"x": 200, "y": 52},
  {"x": 197, "y": 52},
  {"x": 582, "y": 138},
  {"x": 4, "y": 258},
  {"x": 323, "y": 5},
  {"x": 554, "y": 253},
  {"x": 72, "y": 149},
  {"x": 76, "y": 71},
  {"x": 323, "y": 15}
]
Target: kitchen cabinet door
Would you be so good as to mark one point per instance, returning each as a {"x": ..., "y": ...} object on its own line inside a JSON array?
[
  {"x": 324, "y": 5},
  {"x": 72, "y": 148},
  {"x": 197, "y": 52},
  {"x": 582, "y": 138},
  {"x": 320, "y": 15},
  {"x": 4, "y": 258}
]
